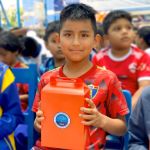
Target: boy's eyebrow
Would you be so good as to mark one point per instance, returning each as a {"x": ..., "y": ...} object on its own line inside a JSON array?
[
  {"x": 83, "y": 31},
  {"x": 86, "y": 31}
]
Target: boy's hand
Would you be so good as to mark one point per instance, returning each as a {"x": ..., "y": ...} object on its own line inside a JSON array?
[
  {"x": 91, "y": 116},
  {"x": 38, "y": 119}
]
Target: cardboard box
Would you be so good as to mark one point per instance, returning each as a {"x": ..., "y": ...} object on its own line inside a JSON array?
[{"x": 61, "y": 100}]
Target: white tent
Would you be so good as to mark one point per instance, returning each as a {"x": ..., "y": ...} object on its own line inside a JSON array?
[{"x": 129, "y": 5}]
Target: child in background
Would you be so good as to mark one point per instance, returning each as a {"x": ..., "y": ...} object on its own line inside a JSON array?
[
  {"x": 50, "y": 37},
  {"x": 139, "y": 123},
  {"x": 10, "y": 48},
  {"x": 101, "y": 41},
  {"x": 129, "y": 63},
  {"x": 77, "y": 38},
  {"x": 10, "y": 111},
  {"x": 143, "y": 38}
]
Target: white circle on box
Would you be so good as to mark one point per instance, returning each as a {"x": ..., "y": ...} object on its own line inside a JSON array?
[{"x": 62, "y": 120}]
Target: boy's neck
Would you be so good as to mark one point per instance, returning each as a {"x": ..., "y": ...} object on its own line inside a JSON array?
[
  {"x": 59, "y": 62},
  {"x": 74, "y": 70},
  {"x": 14, "y": 63},
  {"x": 119, "y": 53}
]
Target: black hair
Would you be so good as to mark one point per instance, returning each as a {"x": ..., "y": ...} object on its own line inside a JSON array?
[
  {"x": 113, "y": 16},
  {"x": 144, "y": 32},
  {"x": 31, "y": 47},
  {"x": 100, "y": 29},
  {"x": 51, "y": 28},
  {"x": 10, "y": 42},
  {"x": 78, "y": 11}
]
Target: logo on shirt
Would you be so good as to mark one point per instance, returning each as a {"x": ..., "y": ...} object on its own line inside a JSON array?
[
  {"x": 61, "y": 120},
  {"x": 93, "y": 90},
  {"x": 133, "y": 67}
]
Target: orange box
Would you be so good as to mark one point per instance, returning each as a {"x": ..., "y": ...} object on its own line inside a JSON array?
[{"x": 61, "y": 100}]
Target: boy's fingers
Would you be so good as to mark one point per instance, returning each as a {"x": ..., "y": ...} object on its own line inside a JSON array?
[
  {"x": 37, "y": 124},
  {"x": 86, "y": 117},
  {"x": 90, "y": 102},
  {"x": 39, "y": 113},
  {"x": 87, "y": 110},
  {"x": 88, "y": 123},
  {"x": 39, "y": 119}
]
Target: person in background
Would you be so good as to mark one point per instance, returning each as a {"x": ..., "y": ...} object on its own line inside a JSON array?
[
  {"x": 77, "y": 37},
  {"x": 58, "y": 59},
  {"x": 33, "y": 45},
  {"x": 10, "y": 49},
  {"x": 129, "y": 63},
  {"x": 10, "y": 110},
  {"x": 101, "y": 41},
  {"x": 31, "y": 50},
  {"x": 143, "y": 38},
  {"x": 139, "y": 123},
  {"x": 41, "y": 49}
]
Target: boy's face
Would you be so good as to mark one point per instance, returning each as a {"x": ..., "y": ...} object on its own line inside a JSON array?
[
  {"x": 54, "y": 46},
  {"x": 77, "y": 39},
  {"x": 120, "y": 34},
  {"x": 8, "y": 57}
]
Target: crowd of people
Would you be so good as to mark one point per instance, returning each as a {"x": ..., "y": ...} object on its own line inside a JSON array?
[{"x": 107, "y": 57}]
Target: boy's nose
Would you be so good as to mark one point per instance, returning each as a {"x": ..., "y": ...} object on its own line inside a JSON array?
[
  {"x": 58, "y": 45},
  {"x": 76, "y": 41},
  {"x": 124, "y": 30}
]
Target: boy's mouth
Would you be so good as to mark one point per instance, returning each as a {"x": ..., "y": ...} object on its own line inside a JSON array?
[
  {"x": 75, "y": 50},
  {"x": 125, "y": 39}
]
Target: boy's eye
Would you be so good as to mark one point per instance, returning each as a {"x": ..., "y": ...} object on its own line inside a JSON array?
[
  {"x": 53, "y": 41},
  {"x": 85, "y": 35},
  {"x": 129, "y": 27},
  {"x": 67, "y": 34},
  {"x": 117, "y": 28}
]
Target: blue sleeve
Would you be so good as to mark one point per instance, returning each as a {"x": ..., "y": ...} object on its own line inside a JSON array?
[
  {"x": 11, "y": 110},
  {"x": 138, "y": 139}
]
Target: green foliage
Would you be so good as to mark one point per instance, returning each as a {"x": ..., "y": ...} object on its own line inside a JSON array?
[{"x": 12, "y": 17}]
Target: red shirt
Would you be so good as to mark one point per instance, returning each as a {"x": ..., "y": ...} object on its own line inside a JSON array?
[
  {"x": 130, "y": 69},
  {"x": 22, "y": 88},
  {"x": 105, "y": 92}
]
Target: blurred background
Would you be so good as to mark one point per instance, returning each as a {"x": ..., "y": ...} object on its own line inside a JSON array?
[{"x": 37, "y": 13}]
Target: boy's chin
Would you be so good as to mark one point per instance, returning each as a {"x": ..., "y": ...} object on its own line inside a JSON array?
[{"x": 125, "y": 47}]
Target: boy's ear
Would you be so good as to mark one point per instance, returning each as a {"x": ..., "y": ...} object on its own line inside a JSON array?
[{"x": 98, "y": 39}]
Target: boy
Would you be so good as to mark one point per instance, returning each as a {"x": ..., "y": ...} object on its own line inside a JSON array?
[
  {"x": 130, "y": 64},
  {"x": 100, "y": 41},
  {"x": 143, "y": 38},
  {"x": 58, "y": 58},
  {"x": 77, "y": 38},
  {"x": 10, "y": 111},
  {"x": 139, "y": 123},
  {"x": 10, "y": 48}
]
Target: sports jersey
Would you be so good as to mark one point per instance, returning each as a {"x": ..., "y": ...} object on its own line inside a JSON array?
[
  {"x": 48, "y": 65},
  {"x": 130, "y": 69},
  {"x": 105, "y": 91},
  {"x": 10, "y": 111}
]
